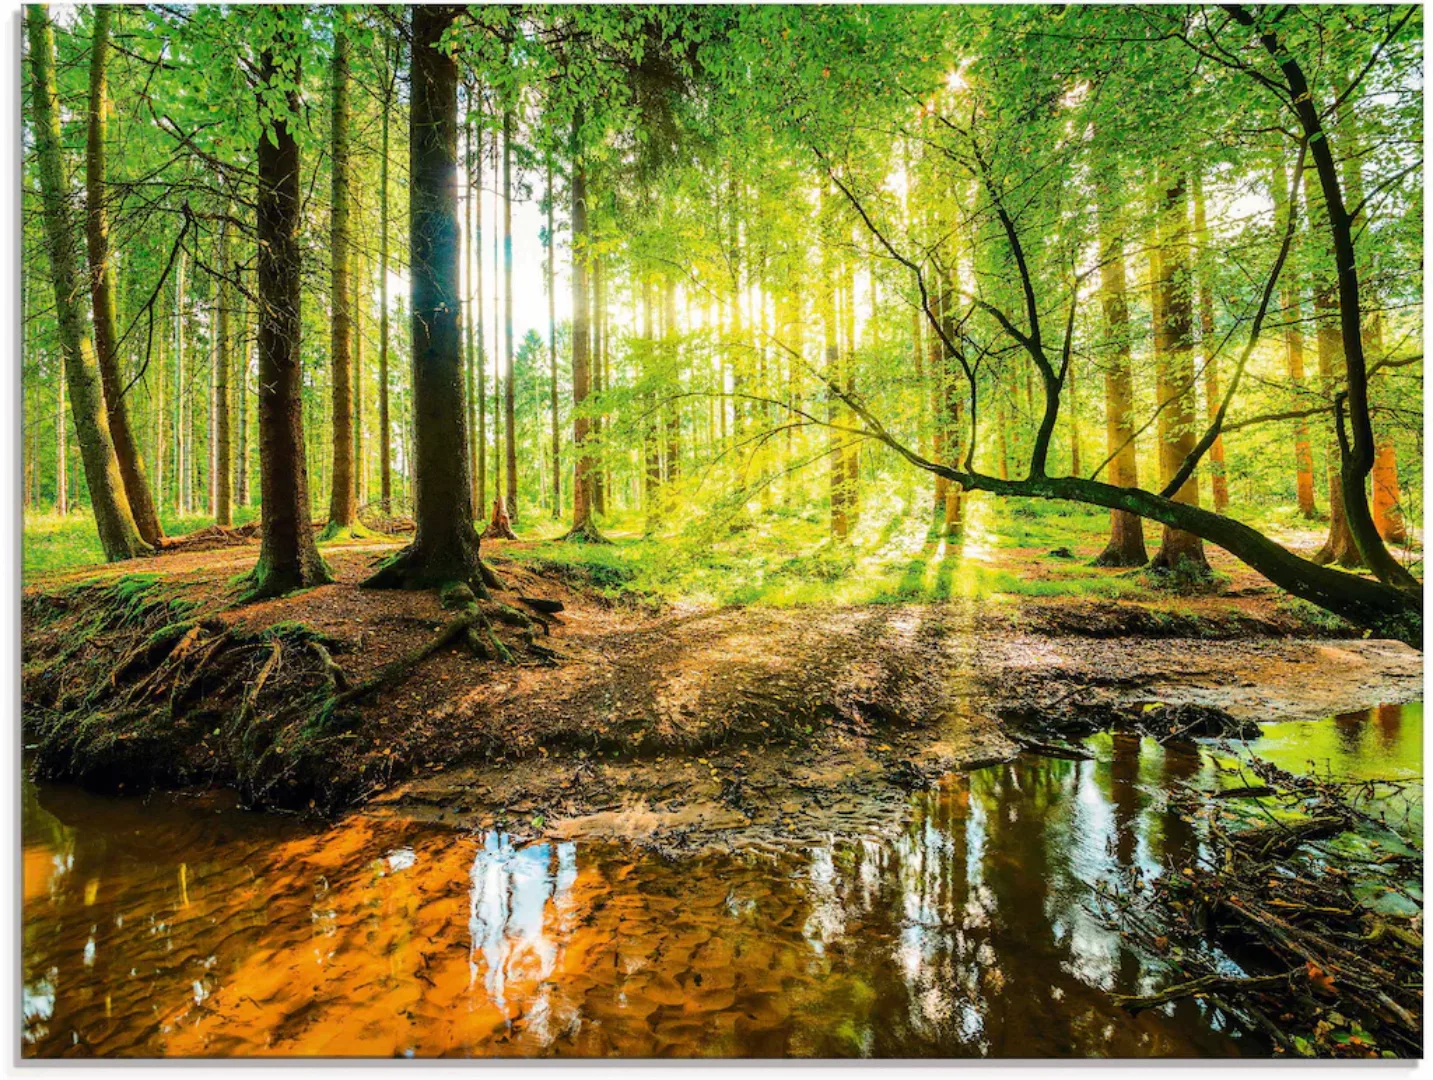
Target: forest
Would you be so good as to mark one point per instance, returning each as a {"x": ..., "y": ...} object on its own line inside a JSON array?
[{"x": 420, "y": 403}]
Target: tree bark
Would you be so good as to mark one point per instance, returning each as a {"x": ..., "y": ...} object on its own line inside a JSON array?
[
  {"x": 343, "y": 496},
  {"x": 385, "y": 430},
  {"x": 223, "y": 446},
  {"x": 1126, "y": 544},
  {"x": 241, "y": 394},
  {"x": 552, "y": 353},
  {"x": 1180, "y": 550},
  {"x": 114, "y": 519},
  {"x": 473, "y": 307},
  {"x": 583, "y": 527},
  {"x": 445, "y": 546},
  {"x": 1218, "y": 477},
  {"x": 1294, "y": 354},
  {"x": 509, "y": 422},
  {"x": 101, "y": 267},
  {"x": 288, "y": 556}
]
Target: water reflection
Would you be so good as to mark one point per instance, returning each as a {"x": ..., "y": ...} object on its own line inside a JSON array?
[{"x": 175, "y": 929}]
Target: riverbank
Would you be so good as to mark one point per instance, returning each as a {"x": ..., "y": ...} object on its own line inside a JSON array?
[{"x": 624, "y": 714}]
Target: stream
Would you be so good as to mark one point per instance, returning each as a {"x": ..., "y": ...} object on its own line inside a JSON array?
[{"x": 180, "y": 926}]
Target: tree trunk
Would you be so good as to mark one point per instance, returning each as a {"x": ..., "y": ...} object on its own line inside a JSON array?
[
  {"x": 62, "y": 441},
  {"x": 445, "y": 546},
  {"x": 674, "y": 408},
  {"x": 343, "y": 496},
  {"x": 114, "y": 519},
  {"x": 181, "y": 393},
  {"x": 473, "y": 308},
  {"x": 952, "y": 398},
  {"x": 598, "y": 322},
  {"x": 583, "y": 527},
  {"x": 836, "y": 465},
  {"x": 385, "y": 430},
  {"x": 1218, "y": 477},
  {"x": 1340, "y": 547},
  {"x": 1294, "y": 354},
  {"x": 510, "y": 424},
  {"x": 223, "y": 446},
  {"x": 1180, "y": 551},
  {"x": 101, "y": 267},
  {"x": 1126, "y": 545},
  {"x": 552, "y": 354},
  {"x": 288, "y": 556},
  {"x": 241, "y": 394},
  {"x": 1387, "y": 502},
  {"x": 480, "y": 482}
]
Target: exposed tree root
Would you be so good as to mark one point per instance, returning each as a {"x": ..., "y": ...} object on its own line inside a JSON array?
[{"x": 584, "y": 532}]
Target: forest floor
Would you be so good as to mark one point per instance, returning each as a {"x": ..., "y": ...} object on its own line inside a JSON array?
[{"x": 641, "y": 714}]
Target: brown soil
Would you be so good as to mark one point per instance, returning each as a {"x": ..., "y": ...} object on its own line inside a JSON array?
[{"x": 670, "y": 724}]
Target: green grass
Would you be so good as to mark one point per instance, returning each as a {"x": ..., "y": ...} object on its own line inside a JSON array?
[
  {"x": 782, "y": 556},
  {"x": 55, "y": 542},
  {"x": 786, "y": 559}
]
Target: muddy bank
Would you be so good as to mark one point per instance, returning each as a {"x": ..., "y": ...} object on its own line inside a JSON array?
[{"x": 673, "y": 724}]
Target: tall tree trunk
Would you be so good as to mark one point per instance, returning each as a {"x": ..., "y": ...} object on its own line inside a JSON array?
[
  {"x": 114, "y": 519},
  {"x": 595, "y": 364},
  {"x": 1218, "y": 477},
  {"x": 385, "y": 429},
  {"x": 583, "y": 527},
  {"x": 480, "y": 482},
  {"x": 343, "y": 496},
  {"x": 62, "y": 449},
  {"x": 952, "y": 399},
  {"x": 101, "y": 267},
  {"x": 360, "y": 442},
  {"x": 472, "y": 317},
  {"x": 1174, "y": 358},
  {"x": 674, "y": 408},
  {"x": 1294, "y": 352},
  {"x": 158, "y": 363},
  {"x": 223, "y": 447},
  {"x": 241, "y": 394},
  {"x": 288, "y": 556},
  {"x": 1126, "y": 545},
  {"x": 181, "y": 393},
  {"x": 509, "y": 421},
  {"x": 552, "y": 351},
  {"x": 445, "y": 546},
  {"x": 1387, "y": 502},
  {"x": 1340, "y": 547}
]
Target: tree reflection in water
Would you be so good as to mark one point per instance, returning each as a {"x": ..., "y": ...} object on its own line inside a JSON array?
[{"x": 169, "y": 928}]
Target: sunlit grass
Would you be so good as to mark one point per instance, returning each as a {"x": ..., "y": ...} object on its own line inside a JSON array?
[
  {"x": 54, "y": 542},
  {"x": 780, "y": 556}
]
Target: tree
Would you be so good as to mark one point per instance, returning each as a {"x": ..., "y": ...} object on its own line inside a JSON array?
[
  {"x": 223, "y": 362},
  {"x": 343, "y": 501},
  {"x": 126, "y": 447},
  {"x": 288, "y": 557},
  {"x": 1181, "y": 551},
  {"x": 1126, "y": 545},
  {"x": 445, "y": 548},
  {"x": 584, "y": 528},
  {"x": 114, "y": 519},
  {"x": 385, "y": 423}
]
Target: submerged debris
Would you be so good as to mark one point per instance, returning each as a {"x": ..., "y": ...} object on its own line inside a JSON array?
[{"x": 1301, "y": 916}]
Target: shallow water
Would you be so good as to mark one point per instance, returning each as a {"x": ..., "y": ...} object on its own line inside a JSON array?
[{"x": 170, "y": 927}]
